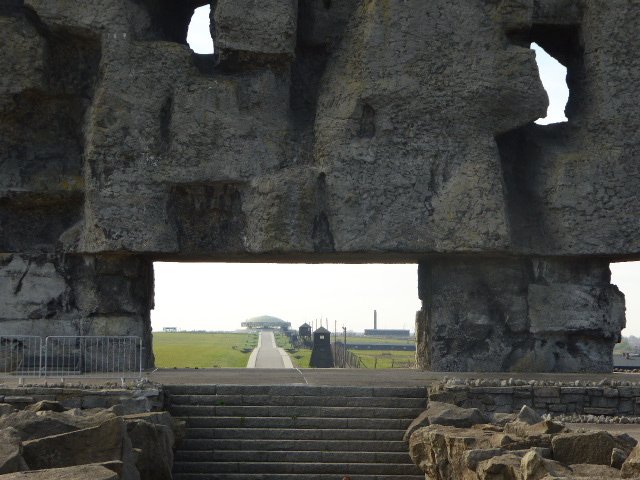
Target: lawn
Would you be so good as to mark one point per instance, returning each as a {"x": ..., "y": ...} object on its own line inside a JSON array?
[
  {"x": 299, "y": 356},
  {"x": 370, "y": 358},
  {"x": 203, "y": 350},
  {"x": 386, "y": 358}
]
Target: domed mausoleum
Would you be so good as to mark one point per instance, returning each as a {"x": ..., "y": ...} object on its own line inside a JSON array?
[{"x": 266, "y": 321}]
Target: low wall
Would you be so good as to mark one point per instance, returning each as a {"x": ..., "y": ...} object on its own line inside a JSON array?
[
  {"x": 508, "y": 396},
  {"x": 148, "y": 399}
]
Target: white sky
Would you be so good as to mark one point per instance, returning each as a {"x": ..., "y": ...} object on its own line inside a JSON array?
[{"x": 220, "y": 296}]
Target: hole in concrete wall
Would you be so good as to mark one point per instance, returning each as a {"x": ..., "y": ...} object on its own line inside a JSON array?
[
  {"x": 169, "y": 19},
  {"x": 220, "y": 296},
  {"x": 554, "y": 79},
  {"x": 199, "y": 33},
  {"x": 564, "y": 45},
  {"x": 626, "y": 276}
]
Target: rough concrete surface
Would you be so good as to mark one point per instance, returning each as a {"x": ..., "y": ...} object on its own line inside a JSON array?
[{"x": 352, "y": 130}]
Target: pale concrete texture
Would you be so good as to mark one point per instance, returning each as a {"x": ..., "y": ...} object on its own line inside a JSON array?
[
  {"x": 267, "y": 354},
  {"x": 352, "y": 130}
]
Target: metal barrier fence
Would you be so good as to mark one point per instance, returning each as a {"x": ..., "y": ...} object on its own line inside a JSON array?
[
  {"x": 66, "y": 356},
  {"x": 343, "y": 358},
  {"x": 21, "y": 355}
]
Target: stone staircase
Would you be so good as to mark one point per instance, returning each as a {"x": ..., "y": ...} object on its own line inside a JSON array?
[{"x": 294, "y": 432}]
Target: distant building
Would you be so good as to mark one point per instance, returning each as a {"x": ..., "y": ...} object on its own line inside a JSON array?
[
  {"x": 305, "y": 330},
  {"x": 170, "y": 329},
  {"x": 266, "y": 322},
  {"x": 377, "y": 332},
  {"x": 321, "y": 355}
]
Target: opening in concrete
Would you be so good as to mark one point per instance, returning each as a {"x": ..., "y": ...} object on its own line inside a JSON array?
[
  {"x": 211, "y": 314},
  {"x": 170, "y": 19},
  {"x": 560, "y": 55},
  {"x": 554, "y": 79},
  {"x": 626, "y": 276},
  {"x": 199, "y": 33}
]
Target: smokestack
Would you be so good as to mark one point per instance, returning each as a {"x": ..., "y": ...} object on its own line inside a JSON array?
[{"x": 375, "y": 319}]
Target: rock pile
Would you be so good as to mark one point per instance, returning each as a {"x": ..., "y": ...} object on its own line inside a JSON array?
[
  {"x": 47, "y": 441},
  {"x": 453, "y": 443}
]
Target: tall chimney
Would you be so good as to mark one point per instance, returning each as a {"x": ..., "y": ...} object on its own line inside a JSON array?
[{"x": 375, "y": 319}]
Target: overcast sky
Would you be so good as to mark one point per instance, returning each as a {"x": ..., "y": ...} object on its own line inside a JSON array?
[{"x": 220, "y": 296}]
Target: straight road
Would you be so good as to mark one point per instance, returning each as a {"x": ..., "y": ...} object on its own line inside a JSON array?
[{"x": 267, "y": 354}]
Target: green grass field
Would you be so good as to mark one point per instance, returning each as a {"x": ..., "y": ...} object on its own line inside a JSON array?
[
  {"x": 370, "y": 358},
  {"x": 386, "y": 358},
  {"x": 203, "y": 350},
  {"x": 299, "y": 356}
]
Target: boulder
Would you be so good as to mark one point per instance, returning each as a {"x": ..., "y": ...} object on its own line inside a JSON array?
[
  {"x": 520, "y": 435},
  {"x": 439, "y": 449},
  {"x": 618, "y": 457},
  {"x": 177, "y": 427},
  {"x": 631, "y": 466},
  {"x": 534, "y": 467},
  {"x": 175, "y": 430},
  {"x": 593, "y": 447},
  {"x": 439, "y": 413},
  {"x": 504, "y": 467},
  {"x": 451, "y": 415},
  {"x": 594, "y": 471},
  {"x": 515, "y": 442},
  {"x": 529, "y": 416},
  {"x": 103, "y": 443},
  {"x": 33, "y": 425},
  {"x": 11, "y": 451},
  {"x": 6, "y": 409},
  {"x": 85, "y": 418},
  {"x": 80, "y": 472},
  {"x": 45, "y": 406},
  {"x": 625, "y": 442},
  {"x": 501, "y": 419},
  {"x": 545, "y": 427},
  {"x": 154, "y": 444},
  {"x": 420, "y": 422},
  {"x": 472, "y": 458}
]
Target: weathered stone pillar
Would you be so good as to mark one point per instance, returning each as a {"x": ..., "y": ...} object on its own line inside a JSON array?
[
  {"x": 52, "y": 294},
  {"x": 518, "y": 314}
]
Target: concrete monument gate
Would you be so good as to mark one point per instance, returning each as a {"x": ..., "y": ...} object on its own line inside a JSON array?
[{"x": 343, "y": 131}]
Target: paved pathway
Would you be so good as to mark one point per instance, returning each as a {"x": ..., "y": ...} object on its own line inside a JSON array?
[{"x": 267, "y": 354}]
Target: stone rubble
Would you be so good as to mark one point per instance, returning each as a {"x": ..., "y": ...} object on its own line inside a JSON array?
[
  {"x": 526, "y": 447},
  {"x": 46, "y": 440}
]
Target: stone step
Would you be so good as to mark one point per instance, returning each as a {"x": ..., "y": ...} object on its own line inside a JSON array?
[
  {"x": 274, "y": 411},
  {"x": 284, "y": 476},
  {"x": 200, "y": 444},
  {"x": 286, "y": 432},
  {"x": 292, "y": 456},
  {"x": 298, "y": 400},
  {"x": 295, "y": 434},
  {"x": 297, "y": 390},
  {"x": 303, "y": 468},
  {"x": 299, "y": 423}
]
